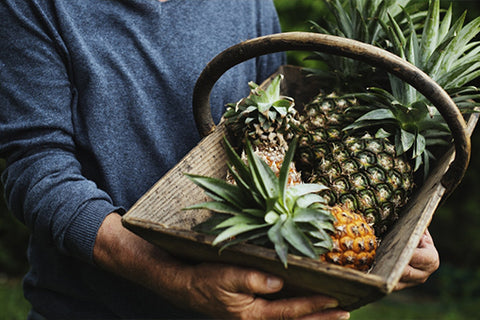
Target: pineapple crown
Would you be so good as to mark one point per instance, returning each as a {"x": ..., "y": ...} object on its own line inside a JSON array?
[
  {"x": 445, "y": 52},
  {"x": 263, "y": 116},
  {"x": 359, "y": 20},
  {"x": 259, "y": 207}
]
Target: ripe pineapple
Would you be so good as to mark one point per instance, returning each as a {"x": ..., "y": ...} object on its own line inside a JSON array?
[
  {"x": 354, "y": 241},
  {"x": 368, "y": 148},
  {"x": 261, "y": 208}
]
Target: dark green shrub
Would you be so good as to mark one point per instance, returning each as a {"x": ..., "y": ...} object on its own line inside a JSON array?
[{"x": 13, "y": 239}]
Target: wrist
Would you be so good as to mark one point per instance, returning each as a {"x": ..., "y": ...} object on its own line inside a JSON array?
[{"x": 122, "y": 252}]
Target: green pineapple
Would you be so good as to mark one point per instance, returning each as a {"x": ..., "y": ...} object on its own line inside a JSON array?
[
  {"x": 362, "y": 171},
  {"x": 370, "y": 164},
  {"x": 265, "y": 119}
]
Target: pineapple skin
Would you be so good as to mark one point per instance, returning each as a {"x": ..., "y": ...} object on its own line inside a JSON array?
[
  {"x": 354, "y": 240},
  {"x": 273, "y": 156},
  {"x": 362, "y": 172}
]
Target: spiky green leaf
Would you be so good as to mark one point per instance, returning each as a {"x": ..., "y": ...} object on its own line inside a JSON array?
[
  {"x": 430, "y": 32},
  {"x": 407, "y": 139},
  {"x": 297, "y": 238},
  {"x": 311, "y": 215},
  {"x": 271, "y": 217},
  {"x": 236, "y": 230},
  {"x": 238, "y": 220},
  {"x": 285, "y": 168},
  {"x": 280, "y": 246},
  {"x": 221, "y": 189},
  {"x": 310, "y": 199},
  {"x": 215, "y": 206},
  {"x": 263, "y": 177}
]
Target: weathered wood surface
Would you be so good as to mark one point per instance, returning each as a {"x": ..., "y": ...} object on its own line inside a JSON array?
[{"x": 159, "y": 218}]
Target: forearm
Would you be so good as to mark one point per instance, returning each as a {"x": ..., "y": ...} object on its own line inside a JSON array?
[{"x": 120, "y": 251}]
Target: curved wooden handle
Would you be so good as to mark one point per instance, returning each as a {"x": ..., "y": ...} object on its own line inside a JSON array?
[{"x": 306, "y": 41}]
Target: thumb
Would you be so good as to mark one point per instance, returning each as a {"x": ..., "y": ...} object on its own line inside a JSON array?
[{"x": 256, "y": 282}]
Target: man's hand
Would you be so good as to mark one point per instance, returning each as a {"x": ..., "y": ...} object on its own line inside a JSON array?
[
  {"x": 231, "y": 292},
  {"x": 221, "y": 291},
  {"x": 424, "y": 262}
]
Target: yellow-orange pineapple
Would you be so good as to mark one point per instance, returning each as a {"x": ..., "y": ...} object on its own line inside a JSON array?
[{"x": 354, "y": 240}]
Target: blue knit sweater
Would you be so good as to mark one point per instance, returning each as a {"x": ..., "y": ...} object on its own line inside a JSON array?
[{"x": 95, "y": 106}]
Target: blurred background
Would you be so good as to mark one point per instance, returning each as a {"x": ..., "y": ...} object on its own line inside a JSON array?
[{"x": 453, "y": 292}]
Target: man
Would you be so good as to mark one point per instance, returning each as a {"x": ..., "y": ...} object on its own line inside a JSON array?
[{"x": 96, "y": 99}]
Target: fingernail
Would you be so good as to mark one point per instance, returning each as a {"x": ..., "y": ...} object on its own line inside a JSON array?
[
  {"x": 332, "y": 304},
  {"x": 274, "y": 283},
  {"x": 345, "y": 316}
]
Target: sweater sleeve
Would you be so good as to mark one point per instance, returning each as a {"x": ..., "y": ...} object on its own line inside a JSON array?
[{"x": 44, "y": 186}]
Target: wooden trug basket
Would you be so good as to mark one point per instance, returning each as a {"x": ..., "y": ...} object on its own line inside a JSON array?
[{"x": 158, "y": 216}]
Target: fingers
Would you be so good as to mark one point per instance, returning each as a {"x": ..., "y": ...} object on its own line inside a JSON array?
[
  {"x": 426, "y": 240},
  {"x": 426, "y": 256},
  {"x": 233, "y": 293},
  {"x": 251, "y": 281},
  {"x": 305, "y": 308},
  {"x": 412, "y": 277},
  {"x": 311, "y": 307},
  {"x": 424, "y": 262}
]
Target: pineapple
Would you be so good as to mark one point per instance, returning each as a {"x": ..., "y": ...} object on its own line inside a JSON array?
[
  {"x": 264, "y": 119},
  {"x": 362, "y": 171},
  {"x": 368, "y": 146},
  {"x": 261, "y": 208},
  {"x": 354, "y": 241}
]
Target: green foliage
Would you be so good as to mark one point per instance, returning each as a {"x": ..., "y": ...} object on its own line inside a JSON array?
[
  {"x": 13, "y": 305},
  {"x": 409, "y": 305},
  {"x": 294, "y": 16},
  {"x": 13, "y": 239}
]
